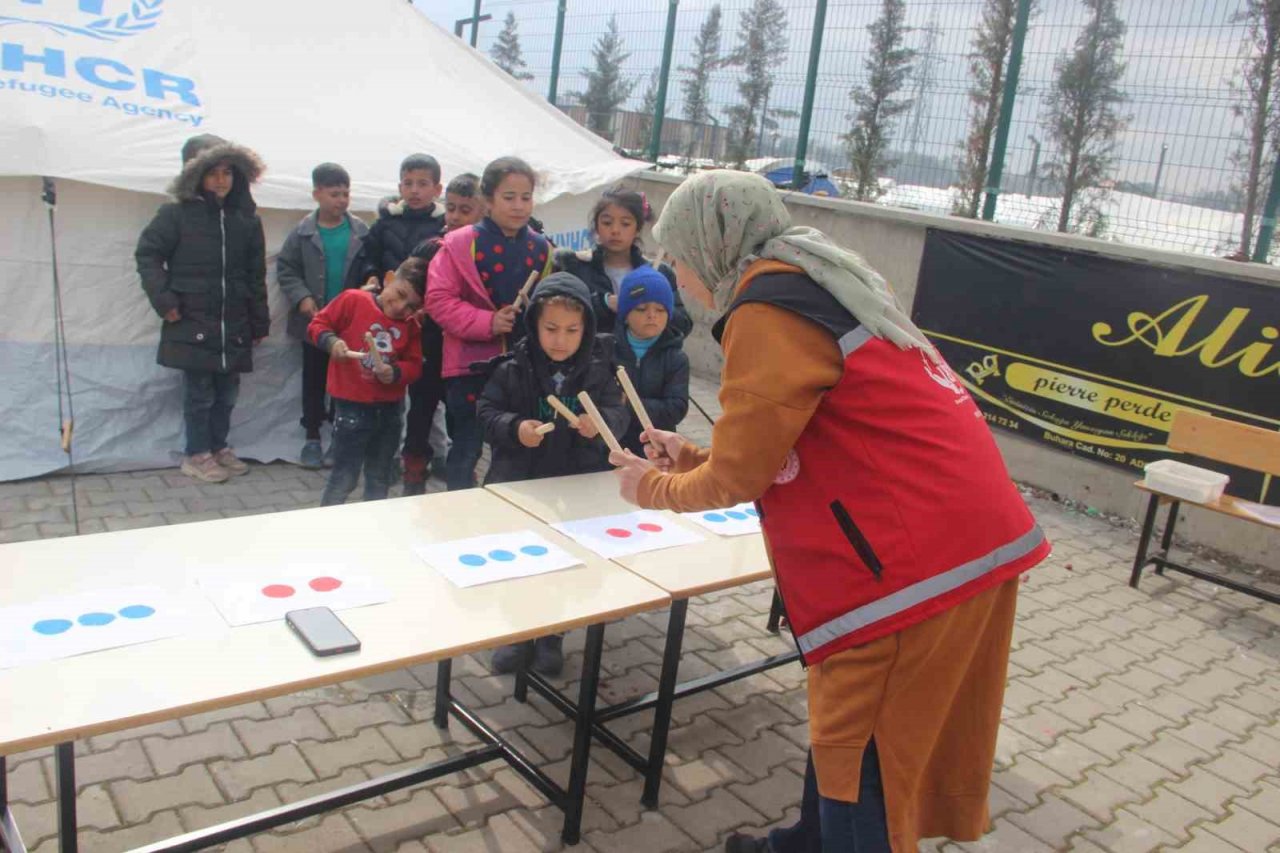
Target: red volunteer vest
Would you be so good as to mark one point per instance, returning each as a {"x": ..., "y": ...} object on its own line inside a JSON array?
[{"x": 895, "y": 503}]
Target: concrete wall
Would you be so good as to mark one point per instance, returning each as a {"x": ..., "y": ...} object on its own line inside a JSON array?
[{"x": 892, "y": 241}]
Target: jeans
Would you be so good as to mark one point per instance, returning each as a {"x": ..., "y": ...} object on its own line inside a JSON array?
[
  {"x": 832, "y": 826},
  {"x": 460, "y": 395},
  {"x": 315, "y": 374},
  {"x": 207, "y": 400},
  {"x": 365, "y": 435}
]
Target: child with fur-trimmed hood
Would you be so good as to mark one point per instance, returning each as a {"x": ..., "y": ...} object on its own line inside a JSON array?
[{"x": 202, "y": 261}]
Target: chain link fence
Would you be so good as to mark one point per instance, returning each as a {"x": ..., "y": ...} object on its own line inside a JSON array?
[{"x": 1172, "y": 180}]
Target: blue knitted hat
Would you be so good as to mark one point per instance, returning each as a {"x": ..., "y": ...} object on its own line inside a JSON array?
[{"x": 641, "y": 285}]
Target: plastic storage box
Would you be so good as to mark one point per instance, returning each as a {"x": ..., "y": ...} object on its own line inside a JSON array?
[{"x": 1180, "y": 480}]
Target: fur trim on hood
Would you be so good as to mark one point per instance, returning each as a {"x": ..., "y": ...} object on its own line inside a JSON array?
[
  {"x": 394, "y": 206},
  {"x": 248, "y": 167}
]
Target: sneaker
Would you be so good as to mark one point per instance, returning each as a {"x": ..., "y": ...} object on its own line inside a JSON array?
[
  {"x": 548, "y": 655},
  {"x": 739, "y": 843},
  {"x": 312, "y": 457},
  {"x": 203, "y": 467},
  {"x": 226, "y": 457},
  {"x": 415, "y": 474},
  {"x": 506, "y": 659}
]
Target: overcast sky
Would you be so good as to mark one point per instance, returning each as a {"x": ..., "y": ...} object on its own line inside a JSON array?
[{"x": 1180, "y": 54}]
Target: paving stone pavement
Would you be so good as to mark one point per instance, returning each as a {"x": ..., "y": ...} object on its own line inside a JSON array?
[{"x": 1133, "y": 721}]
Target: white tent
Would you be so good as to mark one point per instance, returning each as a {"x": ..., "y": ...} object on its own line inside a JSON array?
[{"x": 101, "y": 94}]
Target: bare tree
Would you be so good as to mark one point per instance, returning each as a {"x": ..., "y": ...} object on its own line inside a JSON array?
[
  {"x": 888, "y": 66},
  {"x": 1255, "y": 158},
  {"x": 1082, "y": 118},
  {"x": 762, "y": 47},
  {"x": 696, "y": 86},
  {"x": 506, "y": 53},
  {"x": 988, "y": 65},
  {"x": 606, "y": 88}
]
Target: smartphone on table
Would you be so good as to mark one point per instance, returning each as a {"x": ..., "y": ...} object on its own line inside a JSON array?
[{"x": 322, "y": 631}]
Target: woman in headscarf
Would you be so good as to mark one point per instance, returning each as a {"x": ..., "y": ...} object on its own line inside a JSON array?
[{"x": 895, "y": 533}]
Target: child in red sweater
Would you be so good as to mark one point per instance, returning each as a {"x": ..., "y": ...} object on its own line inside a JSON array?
[{"x": 367, "y": 387}]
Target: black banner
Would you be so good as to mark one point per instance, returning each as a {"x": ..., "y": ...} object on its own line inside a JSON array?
[{"x": 1093, "y": 355}]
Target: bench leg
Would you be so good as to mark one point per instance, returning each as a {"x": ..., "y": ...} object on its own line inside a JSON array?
[
  {"x": 444, "y": 674},
  {"x": 65, "y": 773},
  {"x": 775, "y": 613},
  {"x": 1144, "y": 540},
  {"x": 1166, "y": 541},
  {"x": 666, "y": 697},
  {"x": 579, "y": 763}
]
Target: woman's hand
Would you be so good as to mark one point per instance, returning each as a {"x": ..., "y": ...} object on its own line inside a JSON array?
[
  {"x": 527, "y": 433},
  {"x": 630, "y": 470},
  {"x": 662, "y": 447}
]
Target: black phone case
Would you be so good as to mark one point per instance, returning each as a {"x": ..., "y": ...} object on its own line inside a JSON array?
[{"x": 325, "y": 652}]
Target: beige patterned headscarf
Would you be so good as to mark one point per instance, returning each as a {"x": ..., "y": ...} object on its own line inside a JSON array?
[{"x": 720, "y": 222}]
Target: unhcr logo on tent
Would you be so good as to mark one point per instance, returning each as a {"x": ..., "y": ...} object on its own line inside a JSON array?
[{"x": 96, "y": 19}]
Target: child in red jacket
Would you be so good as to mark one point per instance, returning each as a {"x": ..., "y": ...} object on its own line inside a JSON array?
[{"x": 367, "y": 383}]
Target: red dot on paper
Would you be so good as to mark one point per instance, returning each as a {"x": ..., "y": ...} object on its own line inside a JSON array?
[
  {"x": 277, "y": 590},
  {"x": 649, "y": 527},
  {"x": 618, "y": 532},
  {"x": 325, "y": 584}
]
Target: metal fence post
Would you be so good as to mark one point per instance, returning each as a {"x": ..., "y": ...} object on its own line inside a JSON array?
[
  {"x": 996, "y": 172},
  {"x": 660, "y": 107},
  {"x": 1267, "y": 227},
  {"x": 555, "y": 51},
  {"x": 475, "y": 24},
  {"x": 798, "y": 178}
]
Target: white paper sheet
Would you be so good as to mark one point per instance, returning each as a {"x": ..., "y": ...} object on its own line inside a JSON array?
[
  {"x": 92, "y": 621},
  {"x": 630, "y": 533},
  {"x": 244, "y": 598},
  {"x": 735, "y": 521},
  {"x": 497, "y": 557},
  {"x": 1262, "y": 512}
]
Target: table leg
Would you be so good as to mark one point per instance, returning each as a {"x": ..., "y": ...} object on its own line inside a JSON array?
[
  {"x": 522, "y": 672},
  {"x": 1144, "y": 540},
  {"x": 578, "y": 765},
  {"x": 666, "y": 696},
  {"x": 1166, "y": 541},
  {"x": 444, "y": 675},
  {"x": 65, "y": 772},
  {"x": 775, "y": 613}
]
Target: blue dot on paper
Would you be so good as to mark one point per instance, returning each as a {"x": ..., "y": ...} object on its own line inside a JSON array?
[
  {"x": 137, "y": 611},
  {"x": 472, "y": 560},
  {"x": 714, "y": 517},
  {"x": 534, "y": 550},
  {"x": 95, "y": 619},
  {"x": 504, "y": 556},
  {"x": 736, "y": 515},
  {"x": 49, "y": 627},
  {"x": 753, "y": 513}
]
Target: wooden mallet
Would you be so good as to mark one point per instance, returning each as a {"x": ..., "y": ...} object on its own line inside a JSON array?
[
  {"x": 523, "y": 295},
  {"x": 568, "y": 415},
  {"x": 373, "y": 350},
  {"x": 607, "y": 434},
  {"x": 633, "y": 398}
]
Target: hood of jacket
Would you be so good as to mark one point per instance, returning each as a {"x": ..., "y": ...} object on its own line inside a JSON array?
[
  {"x": 393, "y": 206},
  {"x": 560, "y": 284},
  {"x": 247, "y": 165}
]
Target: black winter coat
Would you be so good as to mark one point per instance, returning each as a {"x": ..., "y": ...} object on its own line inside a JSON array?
[
  {"x": 517, "y": 389},
  {"x": 396, "y": 234},
  {"x": 661, "y": 380},
  {"x": 589, "y": 266},
  {"x": 209, "y": 262}
]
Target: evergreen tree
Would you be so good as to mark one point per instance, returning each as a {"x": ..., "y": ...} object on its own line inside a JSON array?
[
  {"x": 696, "y": 85},
  {"x": 606, "y": 88},
  {"x": 506, "y": 53},
  {"x": 988, "y": 65},
  {"x": 1256, "y": 156},
  {"x": 888, "y": 66},
  {"x": 1082, "y": 118},
  {"x": 648, "y": 110},
  {"x": 762, "y": 47}
]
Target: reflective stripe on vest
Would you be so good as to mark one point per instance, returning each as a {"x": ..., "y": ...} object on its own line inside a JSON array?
[
  {"x": 853, "y": 339},
  {"x": 920, "y": 592}
]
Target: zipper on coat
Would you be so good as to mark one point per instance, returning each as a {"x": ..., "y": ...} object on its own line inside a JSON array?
[
  {"x": 856, "y": 539},
  {"x": 222, "y": 226}
]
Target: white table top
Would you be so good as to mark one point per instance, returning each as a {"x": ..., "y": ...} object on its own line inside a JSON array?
[
  {"x": 215, "y": 666},
  {"x": 718, "y": 562}
]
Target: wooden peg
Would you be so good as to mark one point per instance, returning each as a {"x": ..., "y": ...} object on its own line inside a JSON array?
[
  {"x": 373, "y": 349},
  {"x": 607, "y": 434},
  {"x": 523, "y": 295},
  {"x": 545, "y": 428},
  {"x": 633, "y": 397},
  {"x": 564, "y": 411}
]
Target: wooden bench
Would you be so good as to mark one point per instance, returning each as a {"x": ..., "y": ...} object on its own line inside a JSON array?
[{"x": 1219, "y": 440}]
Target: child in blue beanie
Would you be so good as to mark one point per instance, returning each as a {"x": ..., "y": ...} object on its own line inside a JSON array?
[{"x": 652, "y": 350}]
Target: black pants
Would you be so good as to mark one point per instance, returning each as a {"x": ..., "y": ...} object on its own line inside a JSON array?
[
  {"x": 425, "y": 395},
  {"x": 315, "y": 370}
]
